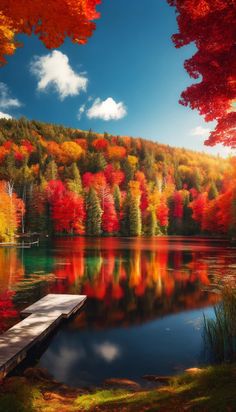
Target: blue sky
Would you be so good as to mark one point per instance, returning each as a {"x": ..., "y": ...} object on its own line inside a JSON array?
[{"x": 126, "y": 80}]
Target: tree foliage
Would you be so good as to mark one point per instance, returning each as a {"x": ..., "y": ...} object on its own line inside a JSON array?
[
  {"x": 210, "y": 24},
  {"x": 52, "y": 22},
  {"x": 132, "y": 196}
]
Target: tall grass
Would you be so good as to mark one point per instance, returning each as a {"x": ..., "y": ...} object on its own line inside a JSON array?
[{"x": 220, "y": 333}]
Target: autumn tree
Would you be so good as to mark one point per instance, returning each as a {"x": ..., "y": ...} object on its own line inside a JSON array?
[
  {"x": 210, "y": 24},
  {"x": 68, "y": 213},
  {"x": 198, "y": 206},
  {"x": 100, "y": 144},
  {"x": 11, "y": 211},
  {"x": 114, "y": 176},
  {"x": 116, "y": 152},
  {"x": 24, "y": 181},
  {"x": 37, "y": 210},
  {"x": 176, "y": 205},
  {"x": 134, "y": 195},
  {"x": 67, "y": 209},
  {"x": 110, "y": 223},
  {"x": 69, "y": 152},
  {"x": 51, "y": 24},
  {"x": 162, "y": 213}
]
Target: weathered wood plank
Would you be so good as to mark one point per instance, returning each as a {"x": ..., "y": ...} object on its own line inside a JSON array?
[{"x": 65, "y": 304}]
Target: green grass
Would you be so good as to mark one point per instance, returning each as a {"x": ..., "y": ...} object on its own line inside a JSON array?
[
  {"x": 18, "y": 395},
  {"x": 210, "y": 389}
]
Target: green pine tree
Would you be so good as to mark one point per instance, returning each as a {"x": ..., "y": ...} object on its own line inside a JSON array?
[
  {"x": 135, "y": 219},
  {"x": 151, "y": 224},
  {"x": 125, "y": 223},
  {"x": 51, "y": 171},
  {"x": 74, "y": 182},
  {"x": 117, "y": 197},
  {"x": 94, "y": 214},
  {"x": 129, "y": 171},
  {"x": 213, "y": 192}
]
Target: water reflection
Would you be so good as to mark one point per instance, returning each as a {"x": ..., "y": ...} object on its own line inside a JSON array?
[
  {"x": 135, "y": 279},
  {"x": 144, "y": 308},
  {"x": 126, "y": 280}
]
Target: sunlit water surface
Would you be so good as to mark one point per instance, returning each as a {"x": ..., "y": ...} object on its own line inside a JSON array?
[{"x": 146, "y": 299}]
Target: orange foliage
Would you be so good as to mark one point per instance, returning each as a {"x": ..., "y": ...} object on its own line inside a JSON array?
[
  {"x": 116, "y": 152},
  {"x": 67, "y": 152},
  {"x": 51, "y": 22},
  {"x": 134, "y": 188}
]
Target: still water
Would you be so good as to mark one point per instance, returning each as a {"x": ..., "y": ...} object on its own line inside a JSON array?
[{"x": 146, "y": 299}]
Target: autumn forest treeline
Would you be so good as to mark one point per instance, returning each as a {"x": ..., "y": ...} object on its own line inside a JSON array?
[{"x": 55, "y": 179}]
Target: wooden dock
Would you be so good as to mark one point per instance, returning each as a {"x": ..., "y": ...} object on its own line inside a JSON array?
[{"x": 42, "y": 317}]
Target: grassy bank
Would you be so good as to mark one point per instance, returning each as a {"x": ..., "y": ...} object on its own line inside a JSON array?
[{"x": 210, "y": 389}]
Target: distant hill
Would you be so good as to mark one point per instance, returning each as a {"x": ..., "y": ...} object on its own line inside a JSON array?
[{"x": 81, "y": 182}]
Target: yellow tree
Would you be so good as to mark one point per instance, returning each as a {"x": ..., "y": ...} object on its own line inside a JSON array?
[{"x": 11, "y": 211}]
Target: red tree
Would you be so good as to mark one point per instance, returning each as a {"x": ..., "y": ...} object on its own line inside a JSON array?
[
  {"x": 67, "y": 209},
  {"x": 114, "y": 176},
  {"x": 178, "y": 205},
  {"x": 110, "y": 223},
  {"x": 198, "y": 207},
  {"x": 100, "y": 144},
  {"x": 163, "y": 213},
  {"x": 210, "y": 24},
  {"x": 50, "y": 21},
  {"x": 68, "y": 213}
]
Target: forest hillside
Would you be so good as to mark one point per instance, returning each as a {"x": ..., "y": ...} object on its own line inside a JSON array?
[{"x": 55, "y": 179}]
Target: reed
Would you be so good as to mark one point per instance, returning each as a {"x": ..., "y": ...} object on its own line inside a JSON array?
[{"x": 220, "y": 333}]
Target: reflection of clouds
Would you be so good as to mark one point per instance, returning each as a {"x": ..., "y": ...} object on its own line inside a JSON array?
[
  {"x": 196, "y": 323},
  {"x": 108, "y": 351},
  {"x": 61, "y": 362}
]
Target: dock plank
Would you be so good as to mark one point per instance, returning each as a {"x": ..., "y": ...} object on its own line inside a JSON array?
[
  {"x": 43, "y": 317},
  {"x": 65, "y": 304}
]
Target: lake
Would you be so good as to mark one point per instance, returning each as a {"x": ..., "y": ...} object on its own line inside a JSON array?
[{"x": 146, "y": 299}]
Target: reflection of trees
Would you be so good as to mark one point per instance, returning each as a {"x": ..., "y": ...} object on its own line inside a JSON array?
[
  {"x": 11, "y": 272},
  {"x": 135, "y": 280},
  {"x": 126, "y": 280},
  {"x": 7, "y": 312},
  {"x": 11, "y": 269}
]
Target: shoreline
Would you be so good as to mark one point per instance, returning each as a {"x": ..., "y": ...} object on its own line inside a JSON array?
[{"x": 206, "y": 389}]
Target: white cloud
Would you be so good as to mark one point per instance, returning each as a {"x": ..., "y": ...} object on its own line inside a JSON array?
[
  {"x": 108, "y": 351},
  {"x": 5, "y": 116},
  {"x": 54, "y": 69},
  {"x": 81, "y": 111},
  {"x": 5, "y": 100},
  {"x": 106, "y": 110},
  {"x": 200, "y": 131}
]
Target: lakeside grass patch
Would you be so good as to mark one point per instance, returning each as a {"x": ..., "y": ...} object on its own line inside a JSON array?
[
  {"x": 208, "y": 389},
  {"x": 220, "y": 332}
]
